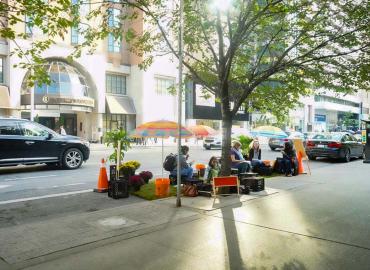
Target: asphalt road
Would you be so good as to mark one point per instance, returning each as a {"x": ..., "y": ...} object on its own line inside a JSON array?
[{"x": 23, "y": 183}]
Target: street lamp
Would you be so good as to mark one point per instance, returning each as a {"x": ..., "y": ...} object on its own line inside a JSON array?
[{"x": 179, "y": 98}]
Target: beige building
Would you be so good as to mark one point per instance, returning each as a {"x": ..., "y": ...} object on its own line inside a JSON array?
[{"x": 94, "y": 93}]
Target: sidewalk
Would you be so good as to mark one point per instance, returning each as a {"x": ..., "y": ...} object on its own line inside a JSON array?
[{"x": 305, "y": 222}]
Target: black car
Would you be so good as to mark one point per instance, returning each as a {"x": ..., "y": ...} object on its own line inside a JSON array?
[
  {"x": 26, "y": 142},
  {"x": 334, "y": 145}
]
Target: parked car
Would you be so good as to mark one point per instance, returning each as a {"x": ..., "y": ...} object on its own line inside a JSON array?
[
  {"x": 277, "y": 143},
  {"x": 212, "y": 142},
  {"x": 26, "y": 142},
  {"x": 338, "y": 145}
]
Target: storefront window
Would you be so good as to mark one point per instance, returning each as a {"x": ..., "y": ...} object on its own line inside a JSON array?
[
  {"x": 114, "y": 122},
  {"x": 116, "y": 84}
]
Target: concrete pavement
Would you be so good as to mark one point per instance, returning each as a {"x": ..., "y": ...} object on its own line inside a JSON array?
[{"x": 305, "y": 222}]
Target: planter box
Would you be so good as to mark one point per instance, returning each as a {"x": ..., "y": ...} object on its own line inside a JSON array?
[{"x": 118, "y": 189}]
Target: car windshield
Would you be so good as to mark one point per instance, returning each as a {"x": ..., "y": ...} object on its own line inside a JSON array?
[{"x": 334, "y": 137}]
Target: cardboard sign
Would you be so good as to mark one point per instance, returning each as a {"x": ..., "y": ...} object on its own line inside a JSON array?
[{"x": 299, "y": 147}]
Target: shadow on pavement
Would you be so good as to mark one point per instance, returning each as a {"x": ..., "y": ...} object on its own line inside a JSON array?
[{"x": 27, "y": 169}]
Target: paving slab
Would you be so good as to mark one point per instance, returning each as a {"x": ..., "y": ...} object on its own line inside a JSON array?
[
  {"x": 213, "y": 243},
  {"x": 24, "y": 242}
]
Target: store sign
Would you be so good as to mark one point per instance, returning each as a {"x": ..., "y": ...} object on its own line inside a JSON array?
[
  {"x": 58, "y": 100},
  {"x": 320, "y": 118},
  {"x": 201, "y": 104},
  {"x": 68, "y": 100}
]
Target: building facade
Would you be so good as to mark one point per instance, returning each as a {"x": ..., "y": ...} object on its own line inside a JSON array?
[{"x": 92, "y": 94}]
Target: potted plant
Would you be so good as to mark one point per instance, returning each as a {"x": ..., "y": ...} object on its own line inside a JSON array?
[
  {"x": 128, "y": 168},
  {"x": 135, "y": 182},
  {"x": 146, "y": 176},
  {"x": 116, "y": 138}
]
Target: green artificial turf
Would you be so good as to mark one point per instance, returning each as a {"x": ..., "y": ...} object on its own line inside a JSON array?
[{"x": 147, "y": 192}]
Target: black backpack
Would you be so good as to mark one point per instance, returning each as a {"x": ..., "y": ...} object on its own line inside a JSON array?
[{"x": 169, "y": 163}]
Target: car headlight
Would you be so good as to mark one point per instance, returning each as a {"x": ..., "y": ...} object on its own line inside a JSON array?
[{"x": 86, "y": 143}]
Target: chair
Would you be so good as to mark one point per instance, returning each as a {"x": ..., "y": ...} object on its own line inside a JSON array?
[{"x": 225, "y": 181}]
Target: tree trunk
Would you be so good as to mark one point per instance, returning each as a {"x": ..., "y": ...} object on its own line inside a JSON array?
[{"x": 226, "y": 144}]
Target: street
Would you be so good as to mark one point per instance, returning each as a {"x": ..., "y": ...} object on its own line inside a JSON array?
[{"x": 24, "y": 182}]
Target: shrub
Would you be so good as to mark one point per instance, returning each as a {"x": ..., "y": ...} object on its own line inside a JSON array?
[
  {"x": 146, "y": 175},
  {"x": 135, "y": 182}
]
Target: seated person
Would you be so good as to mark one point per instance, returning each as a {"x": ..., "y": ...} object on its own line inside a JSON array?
[
  {"x": 254, "y": 155},
  {"x": 289, "y": 157},
  {"x": 237, "y": 159},
  {"x": 186, "y": 169},
  {"x": 212, "y": 170}
]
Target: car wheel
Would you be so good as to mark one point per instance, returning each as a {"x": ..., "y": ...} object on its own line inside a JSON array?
[
  {"x": 272, "y": 148},
  {"x": 311, "y": 157},
  {"x": 72, "y": 159},
  {"x": 347, "y": 156}
]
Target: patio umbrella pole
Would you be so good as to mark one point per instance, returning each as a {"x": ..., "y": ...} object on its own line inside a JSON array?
[{"x": 162, "y": 156}]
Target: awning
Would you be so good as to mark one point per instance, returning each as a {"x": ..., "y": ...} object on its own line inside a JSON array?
[
  {"x": 4, "y": 98},
  {"x": 120, "y": 105}
]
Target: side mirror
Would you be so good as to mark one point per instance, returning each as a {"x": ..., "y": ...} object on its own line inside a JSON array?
[{"x": 49, "y": 136}]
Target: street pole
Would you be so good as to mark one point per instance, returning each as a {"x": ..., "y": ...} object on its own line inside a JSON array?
[
  {"x": 181, "y": 37},
  {"x": 32, "y": 90}
]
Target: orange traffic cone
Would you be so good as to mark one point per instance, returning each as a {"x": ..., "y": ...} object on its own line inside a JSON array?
[
  {"x": 300, "y": 163},
  {"x": 103, "y": 178}
]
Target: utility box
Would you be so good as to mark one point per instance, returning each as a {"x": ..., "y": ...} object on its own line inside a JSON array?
[{"x": 365, "y": 132}]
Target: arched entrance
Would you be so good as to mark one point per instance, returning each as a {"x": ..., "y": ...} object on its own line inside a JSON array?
[{"x": 69, "y": 96}]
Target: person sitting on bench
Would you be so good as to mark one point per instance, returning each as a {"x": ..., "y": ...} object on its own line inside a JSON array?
[
  {"x": 289, "y": 156},
  {"x": 186, "y": 169},
  {"x": 255, "y": 155},
  {"x": 212, "y": 170},
  {"x": 237, "y": 159}
]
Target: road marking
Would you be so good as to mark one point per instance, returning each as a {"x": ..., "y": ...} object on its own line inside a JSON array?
[
  {"x": 30, "y": 177},
  {"x": 4, "y": 186},
  {"x": 45, "y": 196},
  {"x": 74, "y": 184}
]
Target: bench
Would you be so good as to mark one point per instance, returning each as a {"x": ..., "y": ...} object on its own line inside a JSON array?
[{"x": 225, "y": 181}]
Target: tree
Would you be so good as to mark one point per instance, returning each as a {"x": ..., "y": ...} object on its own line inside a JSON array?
[{"x": 261, "y": 52}]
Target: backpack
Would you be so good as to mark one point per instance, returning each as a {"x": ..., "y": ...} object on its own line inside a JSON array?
[{"x": 169, "y": 163}]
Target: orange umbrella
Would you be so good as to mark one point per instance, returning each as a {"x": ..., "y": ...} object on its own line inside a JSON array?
[
  {"x": 201, "y": 130},
  {"x": 160, "y": 129}
]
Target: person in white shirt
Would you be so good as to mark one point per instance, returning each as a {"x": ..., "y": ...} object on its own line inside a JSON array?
[{"x": 62, "y": 131}]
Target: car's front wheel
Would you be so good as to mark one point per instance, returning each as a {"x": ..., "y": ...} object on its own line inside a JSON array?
[
  {"x": 272, "y": 148},
  {"x": 72, "y": 159},
  {"x": 311, "y": 157}
]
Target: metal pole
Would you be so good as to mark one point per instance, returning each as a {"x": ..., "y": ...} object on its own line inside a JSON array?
[
  {"x": 181, "y": 37},
  {"x": 32, "y": 102}
]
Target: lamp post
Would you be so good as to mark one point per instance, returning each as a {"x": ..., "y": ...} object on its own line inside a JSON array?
[
  {"x": 181, "y": 38},
  {"x": 32, "y": 90}
]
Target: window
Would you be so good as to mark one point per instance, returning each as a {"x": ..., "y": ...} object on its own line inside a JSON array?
[
  {"x": 114, "y": 45},
  {"x": 114, "y": 122},
  {"x": 163, "y": 86},
  {"x": 116, "y": 84},
  {"x": 114, "y": 21},
  {"x": 9, "y": 128},
  {"x": 1, "y": 70},
  {"x": 74, "y": 35},
  {"x": 32, "y": 130},
  {"x": 319, "y": 98},
  {"x": 28, "y": 25}
]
